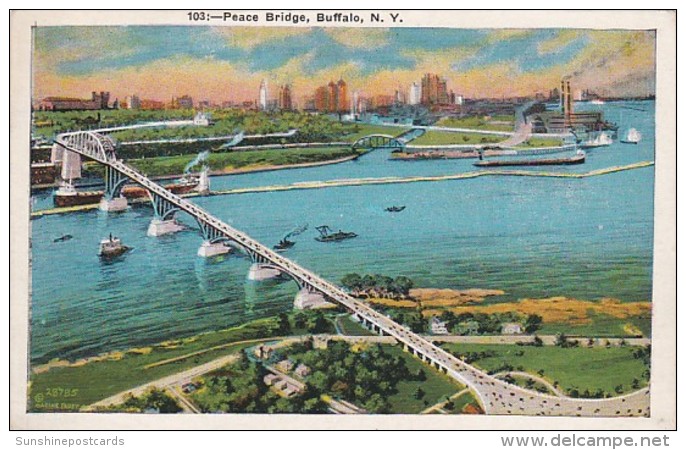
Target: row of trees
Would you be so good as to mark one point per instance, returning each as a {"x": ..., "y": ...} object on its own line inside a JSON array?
[
  {"x": 224, "y": 122},
  {"x": 375, "y": 285},
  {"x": 480, "y": 323}
]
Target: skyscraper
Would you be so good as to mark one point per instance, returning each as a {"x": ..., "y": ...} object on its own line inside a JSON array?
[
  {"x": 415, "y": 94},
  {"x": 434, "y": 90},
  {"x": 332, "y": 98},
  {"x": 285, "y": 98},
  {"x": 341, "y": 96},
  {"x": 263, "y": 95}
]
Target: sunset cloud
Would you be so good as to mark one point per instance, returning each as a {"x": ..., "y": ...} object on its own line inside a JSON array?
[{"x": 228, "y": 63}]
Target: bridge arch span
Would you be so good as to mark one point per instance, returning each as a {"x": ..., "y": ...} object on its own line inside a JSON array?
[{"x": 374, "y": 141}]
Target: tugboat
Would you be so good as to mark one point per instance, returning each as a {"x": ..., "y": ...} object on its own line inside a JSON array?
[
  {"x": 395, "y": 208},
  {"x": 325, "y": 234},
  {"x": 112, "y": 247},
  {"x": 284, "y": 244}
]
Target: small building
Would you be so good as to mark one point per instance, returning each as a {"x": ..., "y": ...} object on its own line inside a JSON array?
[
  {"x": 271, "y": 379},
  {"x": 263, "y": 351},
  {"x": 201, "y": 119},
  {"x": 438, "y": 326},
  {"x": 512, "y": 328},
  {"x": 290, "y": 390},
  {"x": 302, "y": 370},
  {"x": 285, "y": 366}
]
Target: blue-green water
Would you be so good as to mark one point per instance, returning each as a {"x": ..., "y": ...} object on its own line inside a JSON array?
[{"x": 532, "y": 237}]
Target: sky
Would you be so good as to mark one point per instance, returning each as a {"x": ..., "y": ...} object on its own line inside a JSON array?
[{"x": 228, "y": 63}]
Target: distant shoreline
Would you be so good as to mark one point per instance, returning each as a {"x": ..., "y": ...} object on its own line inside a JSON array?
[{"x": 237, "y": 171}]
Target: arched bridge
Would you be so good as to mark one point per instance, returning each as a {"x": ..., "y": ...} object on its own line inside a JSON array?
[
  {"x": 374, "y": 141},
  {"x": 495, "y": 396}
]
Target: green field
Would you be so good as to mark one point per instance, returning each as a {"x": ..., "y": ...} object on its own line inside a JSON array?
[
  {"x": 601, "y": 325},
  {"x": 479, "y": 122},
  {"x": 572, "y": 368},
  {"x": 437, "y": 386},
  {"x": 447, "y": 138},
  {"x": 536, "y": 142},
  {"x": 100, "y": 379}
]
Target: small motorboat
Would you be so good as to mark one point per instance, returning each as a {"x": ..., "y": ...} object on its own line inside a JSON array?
[
  {"x": 284, "y": 244},
  {"x": 325, "y": 234},
  {"x": 633, "y": 136},
  {"x": 63, "y": 238},
  {"x": 112, "y": 247},
  {"x": 395, "y": 208}
]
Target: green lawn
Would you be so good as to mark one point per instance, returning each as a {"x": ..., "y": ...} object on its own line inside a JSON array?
[
  {"x": 536, "y": 142},
  {"x": 437, "y": 386},
  {"x": 446, "y": 138},
  {"x": 97, "y": 380},
  {"x": 573, "y": 368},
  {"x": 479, "y": 122}
]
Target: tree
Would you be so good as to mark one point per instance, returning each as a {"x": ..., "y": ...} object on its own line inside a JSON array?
[
  {"x": 283, "y": 327},
  {"x": 533, "y": 323},
  {"x": 403, "y": 285},
  {"x": 419, "y": 393},
  {"x": 420, "y": 375},
  {"x": 352, "y": 281},
  {"x": 377, "y": 404},
  {"x": 537, "y": 342},
  {"x": 561, "y": 341}
]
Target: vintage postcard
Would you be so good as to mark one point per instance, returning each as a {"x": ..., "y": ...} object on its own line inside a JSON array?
[{"x": 271, "y": 219}]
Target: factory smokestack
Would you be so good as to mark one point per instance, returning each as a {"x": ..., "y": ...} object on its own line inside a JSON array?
[
  {"x": 568, "y": 108},
  {"x": 562, "y": 96}
]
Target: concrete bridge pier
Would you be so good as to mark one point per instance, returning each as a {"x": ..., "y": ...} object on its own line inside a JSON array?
[
  {"x": 263, "y": 272},
  {"x": 209, "y": 249},
  {"x": 113, "y": 204},
  {"x": 160, "y": 227}
]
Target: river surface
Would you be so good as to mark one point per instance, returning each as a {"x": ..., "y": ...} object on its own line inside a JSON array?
[{"x": 532, "y": 237}]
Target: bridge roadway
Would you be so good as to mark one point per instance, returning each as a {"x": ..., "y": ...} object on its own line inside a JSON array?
[{"x": 495, "y": 396}]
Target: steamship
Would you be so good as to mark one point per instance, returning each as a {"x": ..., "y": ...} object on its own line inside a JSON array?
[{"x": 68, "y": 195}]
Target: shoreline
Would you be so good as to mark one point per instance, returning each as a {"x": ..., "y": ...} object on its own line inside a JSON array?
[{"x": 435, "y": 301}]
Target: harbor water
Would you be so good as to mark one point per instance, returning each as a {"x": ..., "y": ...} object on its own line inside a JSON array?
[{"x": 586, "y": 238}]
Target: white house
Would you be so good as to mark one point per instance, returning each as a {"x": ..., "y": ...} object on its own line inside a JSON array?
[
  {"x": 438, "y": 326},
  {"x": 512, "y": 328}
]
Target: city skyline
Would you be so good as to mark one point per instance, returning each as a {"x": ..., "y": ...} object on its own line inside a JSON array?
[{"x": 227, "y": 64}]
